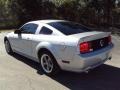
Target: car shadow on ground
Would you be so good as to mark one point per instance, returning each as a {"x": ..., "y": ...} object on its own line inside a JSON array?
[
  {"x": 105, "y": 77},
  {"x": 29, "y": 62}
]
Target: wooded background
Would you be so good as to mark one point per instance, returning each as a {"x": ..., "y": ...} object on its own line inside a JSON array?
[{"x": 93, "y": 13}]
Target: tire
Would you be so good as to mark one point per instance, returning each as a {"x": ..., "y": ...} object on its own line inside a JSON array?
[
  {"x": 49, "y": 65},
  {"x": 8, "y": 47}
]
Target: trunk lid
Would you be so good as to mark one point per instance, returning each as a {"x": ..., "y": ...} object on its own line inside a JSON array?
[
  {"x": 97, "y": 40},
  {"x": 90, "y": 36}
]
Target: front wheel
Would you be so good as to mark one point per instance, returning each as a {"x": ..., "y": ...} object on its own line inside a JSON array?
[
  {"x": 48, "y": 63},
  {"x": 8, "y": 47}
]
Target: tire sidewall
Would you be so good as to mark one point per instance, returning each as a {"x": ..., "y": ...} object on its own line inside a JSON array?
[
  {"x": 55, "y": 65},
  {"x": 8, "y": 47}
]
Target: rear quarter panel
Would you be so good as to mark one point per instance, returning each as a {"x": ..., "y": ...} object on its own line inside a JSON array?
[{"x": 62, "y": 47}]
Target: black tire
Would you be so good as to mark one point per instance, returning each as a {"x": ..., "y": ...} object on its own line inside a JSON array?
[
  {"x": 8, "y": 47},
  {"x": 56, "y": 67}
]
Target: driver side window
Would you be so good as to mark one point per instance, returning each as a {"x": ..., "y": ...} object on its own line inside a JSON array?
[{"x": 29, "y": 28}]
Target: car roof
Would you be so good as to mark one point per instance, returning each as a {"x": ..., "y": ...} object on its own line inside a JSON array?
[{"x": 46, "y": 21}]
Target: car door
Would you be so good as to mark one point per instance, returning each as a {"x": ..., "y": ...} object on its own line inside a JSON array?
[{"x": 23, "y": 41}]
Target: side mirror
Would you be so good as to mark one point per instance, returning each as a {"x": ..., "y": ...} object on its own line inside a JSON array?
[{"x": 17, "y": 31}]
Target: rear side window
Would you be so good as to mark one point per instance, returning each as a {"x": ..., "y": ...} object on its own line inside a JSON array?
[
  {"x": 46, "y": 31},
  {"x": 29, "y": 28}
]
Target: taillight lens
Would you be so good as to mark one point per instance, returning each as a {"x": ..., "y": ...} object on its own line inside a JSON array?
[
  {"x": 85, "y": 47},
  {"x": 109, "y": 39}
]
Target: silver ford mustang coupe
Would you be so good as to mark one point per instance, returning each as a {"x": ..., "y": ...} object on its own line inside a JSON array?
[{"x": 60, "y": 45}]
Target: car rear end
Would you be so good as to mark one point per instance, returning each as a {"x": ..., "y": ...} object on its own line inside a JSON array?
[
  {"x": 93, "y": 49},
  {"x": 90, "y": 48}
]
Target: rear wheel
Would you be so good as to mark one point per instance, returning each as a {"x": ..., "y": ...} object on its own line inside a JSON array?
[
  {"x": 48, "y": 63},
  {"x": 8, "y": 47}
]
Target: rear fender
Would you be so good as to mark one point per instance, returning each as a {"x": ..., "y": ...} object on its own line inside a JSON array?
[{"x": 49, "y": 47}]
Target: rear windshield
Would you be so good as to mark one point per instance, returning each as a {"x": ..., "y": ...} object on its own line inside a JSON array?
[{"x": 69, "y": 28}]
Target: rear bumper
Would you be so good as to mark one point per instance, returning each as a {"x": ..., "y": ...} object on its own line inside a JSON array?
[
  {"x": 88, "y": 61},
  {"x": 89, "y": 67}
]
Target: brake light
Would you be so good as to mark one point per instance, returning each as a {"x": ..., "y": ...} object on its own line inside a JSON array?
[
  {"x": 85, "y": 47},
  {"x": 109, "y": 39}
]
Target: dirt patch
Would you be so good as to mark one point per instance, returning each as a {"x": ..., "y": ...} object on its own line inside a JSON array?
[{"x": 7, "y": 30}]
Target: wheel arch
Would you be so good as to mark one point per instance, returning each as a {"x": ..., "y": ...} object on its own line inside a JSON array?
[
  {"x": 43, "y": 49},
  {"x": 5, "y": 38},
  {"x": 48, "y": 47}
]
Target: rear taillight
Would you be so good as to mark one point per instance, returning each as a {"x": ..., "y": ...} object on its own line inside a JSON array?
[
  {"x": 85, "y": 47},
  {"x": 109, "y": 39}
]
